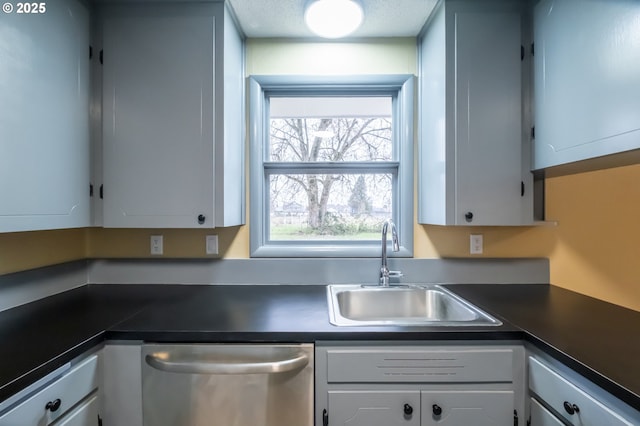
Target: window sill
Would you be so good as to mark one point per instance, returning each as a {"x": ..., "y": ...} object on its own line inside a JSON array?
[{"x": 337, "y": 250}]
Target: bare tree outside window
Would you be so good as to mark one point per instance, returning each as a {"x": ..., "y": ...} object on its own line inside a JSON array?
[{"x": 348, "y": 202}]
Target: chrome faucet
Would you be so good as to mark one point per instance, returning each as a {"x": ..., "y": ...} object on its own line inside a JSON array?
[{"x": 395, "y": 246}]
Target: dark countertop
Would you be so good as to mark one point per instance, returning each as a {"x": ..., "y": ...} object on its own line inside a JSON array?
[
  {"x": 270, "y": 313},
  {"x": 41, "y": 336},
  {"x": 598, "y": 339}
]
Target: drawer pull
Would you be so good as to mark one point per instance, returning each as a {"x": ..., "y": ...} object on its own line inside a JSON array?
[
  {"x": 53, "y": 406},
  {"x": 408, "y": 410},
  {"x": 437, "y": 410},
  {"x": 571, "y": 408}
]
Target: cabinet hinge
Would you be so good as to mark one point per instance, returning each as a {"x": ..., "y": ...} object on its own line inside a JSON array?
[
  {"x": 101, "y": 192},
  {"x": 533, "y": 49},
  {"x": 90, "y": 52},
  {"x": 325, "y": 418},
  {"x": 515, "y": 418},
  {"x": 533, "y": 132},
  {"x": 101, "y": 57},
  {"x": 90, "y": 190},
  {"x": 521, "y": 52},
  {"x": 522, "y": 188}
]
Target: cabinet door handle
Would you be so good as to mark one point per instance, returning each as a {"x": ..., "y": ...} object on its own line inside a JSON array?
[
  {"x": 408, "y": 410},
  {"x": 53, "y": 406},
  {"x": 571, "y": 409}
]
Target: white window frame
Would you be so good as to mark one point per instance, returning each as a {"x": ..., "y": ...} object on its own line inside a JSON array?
[{"x": 261, "y": 88}]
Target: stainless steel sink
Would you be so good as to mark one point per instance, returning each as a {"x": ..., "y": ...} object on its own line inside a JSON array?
[{"x": 407, "y": 305}]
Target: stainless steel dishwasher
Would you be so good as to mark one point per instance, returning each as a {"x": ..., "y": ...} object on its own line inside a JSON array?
[{"x": 227, "y": 385}]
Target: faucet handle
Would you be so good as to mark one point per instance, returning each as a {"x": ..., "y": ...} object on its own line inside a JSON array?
[{"x": 395, "y": 274}]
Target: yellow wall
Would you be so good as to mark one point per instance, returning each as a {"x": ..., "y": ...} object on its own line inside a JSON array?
[
  {"x": 591, "y": 249},
  {"x": 590, "y": 240},
  {"x": 20, "y": 251},
  {"x": 598, "y": 215},
  {"x": 233, "y": 243}
]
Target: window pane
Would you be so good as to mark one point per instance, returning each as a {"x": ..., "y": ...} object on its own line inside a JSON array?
[
  {"x": 329, "y": 207},
  {"x": 311, "y": 129}
]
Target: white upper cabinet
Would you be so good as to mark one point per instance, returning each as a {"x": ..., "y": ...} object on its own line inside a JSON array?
[
  {"x": 172, "y": 116},
  {"x": 586, "y": 80},
  {"x": 44, "y": 124},
  {"x": 473, "y": 155},
  {"x": 95, "y": 120}
]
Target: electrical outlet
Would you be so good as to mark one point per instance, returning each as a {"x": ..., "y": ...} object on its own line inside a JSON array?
[
  {"x": 475, "y": 244},
  {"x": 156, "y": 245},
  {"x": 212, "y": 244}
]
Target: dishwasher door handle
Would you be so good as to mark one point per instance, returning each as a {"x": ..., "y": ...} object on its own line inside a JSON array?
[{"x": 163, "y": 361}]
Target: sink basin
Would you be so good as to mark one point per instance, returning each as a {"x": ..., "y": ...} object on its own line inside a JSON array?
[{"x": 407, "y": 305}]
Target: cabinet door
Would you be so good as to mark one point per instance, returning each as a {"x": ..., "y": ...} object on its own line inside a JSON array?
[
  {"x": 586, "y": 80},
  {"x": 44, "y": 117},
  {"x": 488, "y": 132},
  {"x": 158, "y": 115},
  {"x": 540, "y": 416},
  {"x": 374, "y": 408},
  {"x": 471, "y": 149},
  {"x": 86, "y": 414},
  {"x": 478, "y": 408}
]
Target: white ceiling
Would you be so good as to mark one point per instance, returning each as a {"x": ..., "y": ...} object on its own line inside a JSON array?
[{"x": 284, "y": 18}]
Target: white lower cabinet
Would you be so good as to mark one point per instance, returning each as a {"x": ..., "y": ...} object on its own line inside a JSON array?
[
  {"x": 122, "y": 384},
  {"x": 419, "y": 385},
  {"x": 420, "y": 408},
  {"x": 374, "y": 408},
  {"x": 478, "y": 408},
  {"x": 70, "y": 399},
  {"x": 561, "y": 396},
  {"x": 85, "y": 414},
  {"x": 540, "y": 416}
]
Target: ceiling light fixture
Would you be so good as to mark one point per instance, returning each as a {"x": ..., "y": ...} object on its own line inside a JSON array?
[{"x": 333, "y": 18}]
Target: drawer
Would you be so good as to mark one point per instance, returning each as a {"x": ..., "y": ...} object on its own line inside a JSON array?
[
  {"x": 555, "y": 391},
  {"x": 540, "y": 416},
  {"x": 70, "y": 389},
  {"x": 420, "y": 365}
]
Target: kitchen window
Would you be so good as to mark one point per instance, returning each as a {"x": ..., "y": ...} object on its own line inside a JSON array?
[{"x": 331, "y": 160}]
